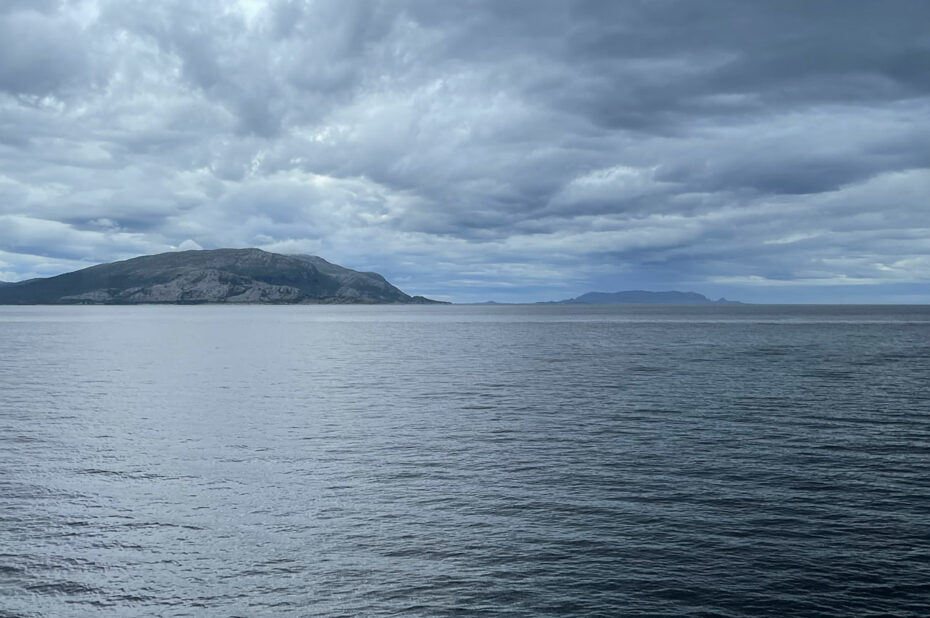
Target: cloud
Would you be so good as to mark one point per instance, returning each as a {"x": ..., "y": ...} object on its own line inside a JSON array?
[
  {"x": 189, "y": 245},
  {"x": 40, "y": 54},
  {"x": 529, "y": 150}
]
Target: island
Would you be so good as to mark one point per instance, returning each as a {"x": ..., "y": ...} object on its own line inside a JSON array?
[
  {"x": 210, "y": 276},
  {"x": 642, "y": 297}
]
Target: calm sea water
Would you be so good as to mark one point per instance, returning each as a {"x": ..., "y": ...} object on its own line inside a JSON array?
[{"x": 464, "y": 461}]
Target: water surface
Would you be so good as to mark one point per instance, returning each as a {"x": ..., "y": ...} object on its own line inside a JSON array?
[{"x": 464, "y": 461}]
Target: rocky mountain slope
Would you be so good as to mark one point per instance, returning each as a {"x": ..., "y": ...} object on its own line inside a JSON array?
[{"x": 215, "y": 276}]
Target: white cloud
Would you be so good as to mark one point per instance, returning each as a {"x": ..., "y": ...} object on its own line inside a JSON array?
[{"x": 189, "y": 245}]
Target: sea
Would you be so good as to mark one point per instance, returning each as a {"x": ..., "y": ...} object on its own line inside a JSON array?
[{"x": 513, "y": 461}]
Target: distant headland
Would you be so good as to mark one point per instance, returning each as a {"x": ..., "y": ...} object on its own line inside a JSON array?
[{"x": 210, "y": 276}]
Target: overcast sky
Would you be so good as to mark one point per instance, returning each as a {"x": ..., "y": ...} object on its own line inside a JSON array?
[{"x": 766, "y": 150}]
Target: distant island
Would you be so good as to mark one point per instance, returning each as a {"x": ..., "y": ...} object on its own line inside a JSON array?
[
  {"x": 641, "y": 297},
  {"x": 210, "y": 276}
]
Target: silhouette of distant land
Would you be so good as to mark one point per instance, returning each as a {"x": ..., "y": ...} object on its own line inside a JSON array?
[{"x": 642, "y": 297}]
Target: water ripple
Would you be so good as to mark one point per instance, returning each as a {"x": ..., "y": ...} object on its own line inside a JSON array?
[{"x": 464, "y": 461}]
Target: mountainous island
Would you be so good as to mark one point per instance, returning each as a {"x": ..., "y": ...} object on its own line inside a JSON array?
[
  {"x": 641, "y": 297},
  {"x": 210, "y": 276}
]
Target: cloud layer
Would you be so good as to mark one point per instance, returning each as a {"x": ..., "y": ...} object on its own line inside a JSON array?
[{"x": 522, "y": 150}]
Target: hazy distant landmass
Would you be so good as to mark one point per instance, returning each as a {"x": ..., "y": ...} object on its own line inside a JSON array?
[
  {"x": 641, "y": 297},
  {"x": 215, "y": 276}
]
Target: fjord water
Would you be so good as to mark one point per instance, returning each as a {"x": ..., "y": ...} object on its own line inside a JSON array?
[{"x": 468, "y": 461}]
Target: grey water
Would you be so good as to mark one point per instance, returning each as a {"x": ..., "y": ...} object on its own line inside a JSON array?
[{"x": 464, "y": 461}]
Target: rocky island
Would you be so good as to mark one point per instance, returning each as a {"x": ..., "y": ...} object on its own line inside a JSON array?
[{"x": 210, "y": 276}]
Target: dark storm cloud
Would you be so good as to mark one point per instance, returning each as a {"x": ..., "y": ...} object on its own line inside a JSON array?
[{"x": 476, "y": 148}]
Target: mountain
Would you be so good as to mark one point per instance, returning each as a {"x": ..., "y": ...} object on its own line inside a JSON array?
[
  {"x": 216, "y": 276},
  {"x": 640, "y": 297}
]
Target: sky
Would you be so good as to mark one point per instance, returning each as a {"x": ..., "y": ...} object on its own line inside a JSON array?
[{"x": 767, "y": 151}]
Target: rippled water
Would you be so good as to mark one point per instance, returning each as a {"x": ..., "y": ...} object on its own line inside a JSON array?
[{"x": 472, "y": 461}]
